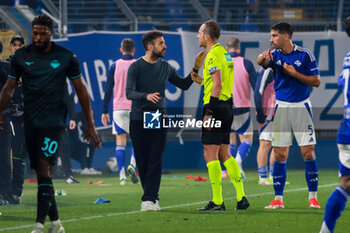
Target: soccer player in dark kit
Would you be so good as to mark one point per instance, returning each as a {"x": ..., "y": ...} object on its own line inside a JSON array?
[{"x": 44, "y": 66}]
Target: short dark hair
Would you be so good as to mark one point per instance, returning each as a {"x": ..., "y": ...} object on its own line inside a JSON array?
[
  {"x": 347, "y": 25},
  {"x": 43, "y": 20},
  {"x": 212, "y": 28},
  {"x": 233, "y": 43},
  {"x": 17, "y": 38},
  {"x": 149, "y": 37},
  {"x": 283, "y": 28},
  {"x": 128, "y": 45}
]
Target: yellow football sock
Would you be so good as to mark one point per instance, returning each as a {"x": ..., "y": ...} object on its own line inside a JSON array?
[
  {"x": 214, "y": 170},
  {"x": 235, "y": 176}
]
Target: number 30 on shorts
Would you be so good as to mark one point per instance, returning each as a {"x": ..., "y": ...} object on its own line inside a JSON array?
[{"x": 49, "y": 147}]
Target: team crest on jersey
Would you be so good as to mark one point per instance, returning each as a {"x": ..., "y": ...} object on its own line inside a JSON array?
[
  {"x": 54, "y": 64},
  {"x": 298, "y": 63},
  {"x": 210, "y": 61},
  {"x": 346, "y": 61},
  {"x": 278, "y": 62},
  {"x": 28, "y": 63}
]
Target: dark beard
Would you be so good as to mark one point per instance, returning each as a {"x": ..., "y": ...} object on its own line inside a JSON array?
[
  {"x": 43, "y": 47},
  {"x": 155, "y": 56}
]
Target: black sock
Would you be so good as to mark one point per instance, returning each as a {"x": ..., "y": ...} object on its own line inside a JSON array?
[
  {"x": 45, "y": 197},
  {"x": 53, "y": 213}
]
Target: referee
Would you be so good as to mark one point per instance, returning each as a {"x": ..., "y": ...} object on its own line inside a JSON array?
[
  {"x": 44, "y": 66},
  {"x": 218, "y": 105},
  {"x": 145, "y": 86}
]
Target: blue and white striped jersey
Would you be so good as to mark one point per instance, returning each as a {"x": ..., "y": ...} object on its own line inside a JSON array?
[
  {"x": 343, "y": 80},
  {"x": 288, "y": 88}
]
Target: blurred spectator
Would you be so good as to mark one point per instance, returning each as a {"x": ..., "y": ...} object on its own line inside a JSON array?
[
  {"x": 81, "y": 151},
  {"x": 97, "y": 12},
  {"x": 7, "y": 2},
  {"x": 19, "y": 151},
  {"x": 5, "y": 144},
  {"x": 11, "y": 184},
  {"x": 174, "y": 10},
  {"x": 64, "y": 166}
]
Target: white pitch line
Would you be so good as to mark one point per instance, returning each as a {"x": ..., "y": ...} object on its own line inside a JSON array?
[{"x": 167, "y": 207}]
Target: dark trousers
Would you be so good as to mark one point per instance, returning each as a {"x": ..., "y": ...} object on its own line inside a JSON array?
[
  {"x": 80, "y": 150},
  {"x": 148, "y": 147},
  {"x": 5, "y": 157},
  {"x": 18, "y": 156},
  {"x": 64, "y": 152}
]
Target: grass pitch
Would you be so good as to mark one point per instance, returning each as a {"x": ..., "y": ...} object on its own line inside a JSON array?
[{"x": 179, "y": 198}]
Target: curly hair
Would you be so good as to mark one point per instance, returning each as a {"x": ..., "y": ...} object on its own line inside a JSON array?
[{"x": 43, "y": 20}]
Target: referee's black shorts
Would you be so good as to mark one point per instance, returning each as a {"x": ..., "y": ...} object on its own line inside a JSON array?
[
  {"x": 43, "y": 143},
  {"x": 224, "y": 113}
]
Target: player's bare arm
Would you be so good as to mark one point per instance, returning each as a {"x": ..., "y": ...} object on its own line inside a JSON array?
[
  {"x": 6, "y": 95},
  {"x": 86, "y": 106},
  {"x": 264, "y": 58},
  {"x": 217, "y": 83},
  {"x": 215, "y": 91},
  {"x": 310, "y": 80}
]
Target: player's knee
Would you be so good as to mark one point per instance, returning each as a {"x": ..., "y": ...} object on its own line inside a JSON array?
[
  {"x": 44, "y": 168},
  {"x": 210, "y": 154},
  {"x": 281, "y": 154},
  {"x": 309, "y": 154},
  {"x": 280, "y": 157},
  {"x": 345, "y": 183}
]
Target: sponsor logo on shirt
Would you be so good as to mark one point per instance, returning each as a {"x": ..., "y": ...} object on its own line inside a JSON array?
[{"x": 228, "y": 57}]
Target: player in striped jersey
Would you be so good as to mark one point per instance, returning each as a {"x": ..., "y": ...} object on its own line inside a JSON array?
[
  {"x": 295, "y": 70},
  {"x": 337, "y": 200}
]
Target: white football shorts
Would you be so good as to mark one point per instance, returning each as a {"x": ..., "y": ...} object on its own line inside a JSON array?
[
  {"x": 344, "y": 159},
  {"x": 242, "y": 124},
  {"x": 121, "y": 121},
  {"x": 293, "y": 119}
]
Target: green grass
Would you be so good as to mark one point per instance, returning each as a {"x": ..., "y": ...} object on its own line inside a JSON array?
[{"x": 178, "y": 198}]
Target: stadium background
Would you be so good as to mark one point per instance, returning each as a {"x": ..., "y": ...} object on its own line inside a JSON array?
[{"x": 94, "y": 29}]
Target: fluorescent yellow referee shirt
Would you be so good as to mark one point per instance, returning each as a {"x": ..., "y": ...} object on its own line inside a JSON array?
[{"x": 218, "y": 59}]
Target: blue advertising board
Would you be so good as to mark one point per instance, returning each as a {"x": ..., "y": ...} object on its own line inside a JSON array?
[{"x": 96, "y": 51}]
